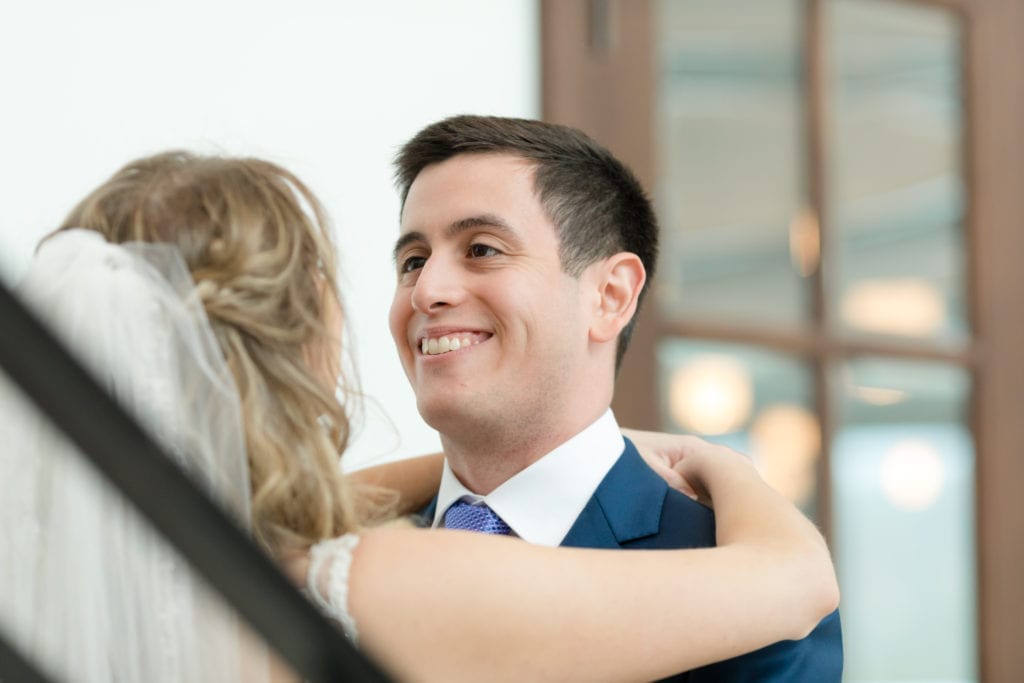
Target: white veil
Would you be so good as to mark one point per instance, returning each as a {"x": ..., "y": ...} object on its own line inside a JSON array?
[{"x": 88, "y": 590}]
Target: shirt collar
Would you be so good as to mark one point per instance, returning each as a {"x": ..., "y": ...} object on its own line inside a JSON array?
[{"x": 542, "y": 502}]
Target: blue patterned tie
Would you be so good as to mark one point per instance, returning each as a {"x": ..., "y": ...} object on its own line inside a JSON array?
[{"x": 463, "y": 515}]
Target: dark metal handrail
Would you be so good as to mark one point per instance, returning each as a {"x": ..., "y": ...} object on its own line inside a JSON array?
[
  {"x": 215, "y": 547},
  {"x": 14, "y": 667}
]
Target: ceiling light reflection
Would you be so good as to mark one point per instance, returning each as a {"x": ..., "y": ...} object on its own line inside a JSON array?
[
  {"x": 880, "y": 396},
  {"x": 805, "y": 242},
  {"x": 912, "y": 474},
  {"x": 906, "y": 307},
  {"x": 711, "y": 394},
  {"x": 786, "y": 442}
]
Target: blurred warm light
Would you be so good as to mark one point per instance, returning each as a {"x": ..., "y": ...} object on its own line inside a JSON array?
[
  {"x": 907, "y": 307},
  {"x": 880, "y": 396},
  {"x": 786, "y": 443},
  {"x": 912, "y": 474},
  {"x": 805, "y": 242},
  {"x": 711, "y": 394}
]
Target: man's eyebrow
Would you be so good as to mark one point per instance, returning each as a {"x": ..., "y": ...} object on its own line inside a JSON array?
[
  {"x": 404, "y": 241},
  {"x": 488, "y": 220}
]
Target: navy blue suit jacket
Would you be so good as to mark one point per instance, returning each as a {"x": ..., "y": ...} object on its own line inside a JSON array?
[{"x": 633, "y": 508}]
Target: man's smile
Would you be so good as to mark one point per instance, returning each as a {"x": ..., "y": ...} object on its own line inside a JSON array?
[{"x": 436, "y": 344}]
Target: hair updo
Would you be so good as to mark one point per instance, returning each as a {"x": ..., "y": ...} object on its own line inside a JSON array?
[{"x": 256, "y": 242}]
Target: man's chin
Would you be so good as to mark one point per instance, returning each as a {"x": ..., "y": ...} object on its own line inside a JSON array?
[{"x": 451, "y": 415}]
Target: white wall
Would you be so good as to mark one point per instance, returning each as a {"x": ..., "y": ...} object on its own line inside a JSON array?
[{"x": 329, "y": 89}]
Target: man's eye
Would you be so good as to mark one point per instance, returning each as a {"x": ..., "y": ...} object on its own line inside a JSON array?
[
  {"x": 481, "y": 250},
  {"x": 413, "y": 263}
]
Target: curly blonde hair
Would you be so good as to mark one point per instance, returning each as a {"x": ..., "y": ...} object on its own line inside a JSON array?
[{"x": 256, "y": 242}]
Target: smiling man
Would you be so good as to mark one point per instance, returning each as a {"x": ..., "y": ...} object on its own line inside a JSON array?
[{"x": 523, "y": 257}]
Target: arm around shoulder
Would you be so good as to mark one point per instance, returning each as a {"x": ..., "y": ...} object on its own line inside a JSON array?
[
  {"x": 441, "y": 605},
  {"x": 756, "y": 520}
]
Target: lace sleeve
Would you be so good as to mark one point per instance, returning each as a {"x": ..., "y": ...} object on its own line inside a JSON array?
[{"x": 329, "y": 564}]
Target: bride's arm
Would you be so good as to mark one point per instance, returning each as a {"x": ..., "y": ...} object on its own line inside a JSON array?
[
  {"x": 437, "y": 605},
  {"x": 416, "y": 480}
]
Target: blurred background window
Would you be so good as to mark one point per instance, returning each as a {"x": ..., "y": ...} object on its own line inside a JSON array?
[{"x": 834, "y": 295}]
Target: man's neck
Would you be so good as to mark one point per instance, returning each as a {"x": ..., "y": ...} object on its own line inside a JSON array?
[{"x": 487, "y": 458}]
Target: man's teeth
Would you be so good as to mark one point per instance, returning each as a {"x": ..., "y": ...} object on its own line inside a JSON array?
[{"x": 433, "y": 347}]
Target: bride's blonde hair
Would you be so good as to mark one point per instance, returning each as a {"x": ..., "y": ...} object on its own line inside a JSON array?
[{"x": 257, "y": 244}]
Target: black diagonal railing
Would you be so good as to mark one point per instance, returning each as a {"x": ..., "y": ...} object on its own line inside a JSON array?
[
  {"x": 14, "y": 666},
  {"x": 216, "y": 548}
]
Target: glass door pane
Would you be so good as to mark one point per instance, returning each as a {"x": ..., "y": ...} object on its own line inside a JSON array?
[
  {"x": 737, "y": 236},
  {"x": 903, "y": 511},
  {"x": 896, "y": 174},
  {"x": 757, "y": 401}
]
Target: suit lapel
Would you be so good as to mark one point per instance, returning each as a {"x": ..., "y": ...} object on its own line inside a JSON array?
[
  {"x": 591, "y": 529},
  {"x": 625, "y": 507}
]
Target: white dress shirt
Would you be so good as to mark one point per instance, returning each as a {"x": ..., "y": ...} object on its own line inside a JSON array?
[{"x": 542, "y": 502}]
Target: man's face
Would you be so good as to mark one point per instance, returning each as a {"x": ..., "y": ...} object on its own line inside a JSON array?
[{"x": 490, "y": 330}]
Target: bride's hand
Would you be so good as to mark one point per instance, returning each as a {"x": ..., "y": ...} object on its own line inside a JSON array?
[
  {"x": 667, "y": 455},
  {"x": 699, "y": 462}
]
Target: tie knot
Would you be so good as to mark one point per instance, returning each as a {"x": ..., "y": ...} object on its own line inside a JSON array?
[{"x": 463, "y": 515}]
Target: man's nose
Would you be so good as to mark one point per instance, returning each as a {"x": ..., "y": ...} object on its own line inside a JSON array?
[{"x": 438, "y": 286}]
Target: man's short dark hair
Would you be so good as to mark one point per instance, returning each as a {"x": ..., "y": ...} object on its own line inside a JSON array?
[{"x": 596, "y": 203}]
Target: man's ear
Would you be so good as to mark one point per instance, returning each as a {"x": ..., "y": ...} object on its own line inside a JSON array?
[{"x": 619, "y": 280}]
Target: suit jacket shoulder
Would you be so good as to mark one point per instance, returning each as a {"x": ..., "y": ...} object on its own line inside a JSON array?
[{"x": 633, "y": 508}]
